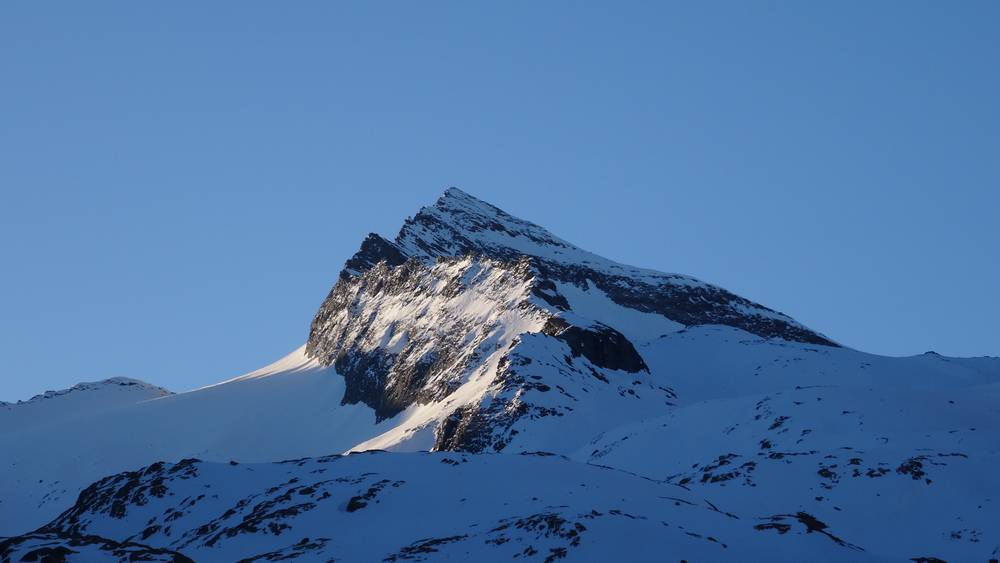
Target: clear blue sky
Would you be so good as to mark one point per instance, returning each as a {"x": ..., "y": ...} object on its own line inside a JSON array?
[{"x": 181, "y": 182}]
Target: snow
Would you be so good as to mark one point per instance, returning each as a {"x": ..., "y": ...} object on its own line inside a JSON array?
[
  {"x": 592, "y": 303},
  {"x": 289, "y": 409},
  {"x": 81, "y": 400},
  {"x": 712, "y": 362},
  {"x": 731, "y": 447},
  {"x": 841, "y": 454},
  {"x": 488, "y": 227},
  {"x": 392, "y": 507}
]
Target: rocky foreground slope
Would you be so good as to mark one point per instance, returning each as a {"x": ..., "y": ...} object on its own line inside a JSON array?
[{"x": 578, "y": 408}]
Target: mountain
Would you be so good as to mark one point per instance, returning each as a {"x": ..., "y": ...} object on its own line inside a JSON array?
[
  {"x": 82, "y": 399},
  {"x": 535, "y": 400},
  {"x": 409, "y": 507}
]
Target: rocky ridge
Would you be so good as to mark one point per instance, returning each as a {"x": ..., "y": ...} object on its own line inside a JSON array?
[
  {"x": 573, "y": 408},
  {"x": 404, "y": 323}
]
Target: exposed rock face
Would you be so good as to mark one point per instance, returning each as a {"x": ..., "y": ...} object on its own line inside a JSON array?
[
  {"x": 446, "y": 304},
  {"x": 459, "y": 224},
  {"x": 469, "y": 430},
  {"x": 602, "y": 345},
  {"x": 374, "y": 249},
  {"x": 406, "y": 334},
  {"x": 688, "y": 304},
  {"x": 621, "y": 420}
]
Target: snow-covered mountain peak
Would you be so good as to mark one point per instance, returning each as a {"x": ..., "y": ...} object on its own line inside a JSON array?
[
  {"x": 436, "y": 326},
  {"x": 439, "y": 338},
  {"x": 133, "y": 385},
  {"x": 459, "y": 224},
  {"x": 647, "y": 405}
]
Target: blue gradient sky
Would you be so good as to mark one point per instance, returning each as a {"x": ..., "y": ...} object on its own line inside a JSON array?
[{"x": 181, "y": 183}]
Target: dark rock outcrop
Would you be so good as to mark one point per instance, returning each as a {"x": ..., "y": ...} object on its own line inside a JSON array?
[
  {"x": 60, "y": 547},
  {"x": 459, "y": 224},
  {"x": 410, "y": 320},
  {"x": 391, "y": 362},
  {"x": 602, "y": 345},
  {"x": 366, "y": 377},
  {"x": 374, "y": 249}
]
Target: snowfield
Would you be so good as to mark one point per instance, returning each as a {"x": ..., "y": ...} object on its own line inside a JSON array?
[
  {"x": 422, "y": 506},
  {"x": 478, "y": 389}
]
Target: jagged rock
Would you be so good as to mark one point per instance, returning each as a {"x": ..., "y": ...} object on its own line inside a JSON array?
[
  {"x": 678, "y": 416},
  {"x": 602, "y": 345},
  {"x": 459, "y": 224},
  {"x": 398, "y": 325},
  {"x": 374, "y": 249}
]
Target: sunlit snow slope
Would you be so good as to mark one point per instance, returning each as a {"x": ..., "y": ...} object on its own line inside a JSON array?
[{"x": 686, "y": 419}]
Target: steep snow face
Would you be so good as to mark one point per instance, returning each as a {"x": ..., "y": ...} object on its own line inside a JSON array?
[
  {"x": 470, "y": 351},
  {"x": 425, "y": 328},
  {"x": 439, "y": 329},
  {"x": 460, "y": 224},
  {"x": 426, "y": 507},
  {"x": 417, "y": 333}
]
